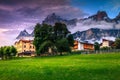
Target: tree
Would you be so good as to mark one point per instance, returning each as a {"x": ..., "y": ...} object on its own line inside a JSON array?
[
  {"x": 1, "y": 52},
  {"x": 96, "y": 46},
  {"x": 37, "y": 40},
  {"x": 63, "y": 46},
  {"x": 44, "y": 35},
  {"x": 13, "y": 51},
  {"x": 45, "y": 46},
  {"x": 70, "y": 40},
  {"x": 7, "y": 52},
  {"x": 50, "y": 37},
  {"x": 117, "y": 43},
  {"x": 60, "y": 30}
]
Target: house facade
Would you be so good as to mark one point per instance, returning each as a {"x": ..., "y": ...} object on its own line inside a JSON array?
[
  {"x": 107, "y": 43},
  {"x": 25, "y": 46},
  {"x": 88, "y": 46},
  {"x": 83, "y": 46},
  {"x": 78, "y": 45}
]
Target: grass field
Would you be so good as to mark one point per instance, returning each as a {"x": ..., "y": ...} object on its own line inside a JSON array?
[{"x": 71, "y": 67}]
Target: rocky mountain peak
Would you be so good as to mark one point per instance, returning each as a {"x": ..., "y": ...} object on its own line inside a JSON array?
[
  {"x": 23, "y": 33},
  {"x": 53, "y": 18},
  {"x": 100, "y": 15},
  {"x": 96, "y": 34}
]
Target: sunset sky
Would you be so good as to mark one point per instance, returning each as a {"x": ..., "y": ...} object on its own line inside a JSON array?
[{"x": 17, "y": 15}]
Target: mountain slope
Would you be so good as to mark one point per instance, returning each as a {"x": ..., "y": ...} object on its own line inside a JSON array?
[
  {"x": 22, "y": 34},
  {"x": 53, "y": 18},
  {"x": 96, "y": 34},
  {"x": 94, "y": 27}
]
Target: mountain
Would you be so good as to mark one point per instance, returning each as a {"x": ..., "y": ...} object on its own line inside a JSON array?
[
  {"x": 117, "y": 19},
  {"x": 24, "y": 35},
  {"x": 93, "y": 28},
  {"x": 101, "y": 15},
  {"x": 96, "y": 34},
  {"x": 32, "y": 34},
  {"x": 53, "y": 18},
  {"x": 98, "y": 20}
]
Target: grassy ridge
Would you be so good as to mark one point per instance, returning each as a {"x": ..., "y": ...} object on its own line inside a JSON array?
[{"x": 72, "y": 67}]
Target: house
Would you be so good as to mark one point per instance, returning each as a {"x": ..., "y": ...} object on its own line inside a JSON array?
[
  {"x": 25, "y": 47},
  {"x": 75, "y": 45},
  {"x": 88, "y": 46},
  {"x": 107, "y": 43},
  {"x": 78, "y": 45},
  {"x": 83, "y": 45}
]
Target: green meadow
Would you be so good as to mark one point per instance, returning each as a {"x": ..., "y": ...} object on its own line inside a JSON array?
[{"x": 70, "y": 67}]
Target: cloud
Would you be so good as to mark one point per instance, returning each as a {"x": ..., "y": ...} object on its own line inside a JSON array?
[
  {"x": 7, "y": 37},
  {"x": 68, "y": 12},
  {"x": 34, "y": 3},
  {"x": 17, "y": 12},
  {"x": 87, "y": 24},
  {"x": 17, "y": 15}
]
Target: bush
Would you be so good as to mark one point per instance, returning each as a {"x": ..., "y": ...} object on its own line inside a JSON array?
[
  {"x": 105, "y": 48},
  {"x": 7, "y": 52}
]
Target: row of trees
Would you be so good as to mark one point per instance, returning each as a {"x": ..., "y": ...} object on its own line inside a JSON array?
[
  {"x": 7, "y": 52},
  {"x": 52, "y": 39}
]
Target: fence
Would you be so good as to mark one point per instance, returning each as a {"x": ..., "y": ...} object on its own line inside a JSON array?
[{"x": 97, "y": 52}]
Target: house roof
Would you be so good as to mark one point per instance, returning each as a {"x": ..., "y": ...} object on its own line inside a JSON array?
[
  {"x": 107, "y": 40},
  {"x": 26, "y": 41},
  {"x": 85, "y": 42}
]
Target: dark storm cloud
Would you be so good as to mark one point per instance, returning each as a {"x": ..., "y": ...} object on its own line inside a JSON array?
[
  {"x": 29, "y": 12},
  {"x": 34, "y": 2},
  {"x": 17, "y": 15},
  {"x": 6, "y": 16},
  {"x": 18, "y": 11}
]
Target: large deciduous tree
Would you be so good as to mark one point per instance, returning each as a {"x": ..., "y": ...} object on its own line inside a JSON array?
[
  {"x": 56, "y": 38},
  {"x": 37, "y": 40},
  {"x": 63, "y": 46},
  {"x": 44, "y": 38}
]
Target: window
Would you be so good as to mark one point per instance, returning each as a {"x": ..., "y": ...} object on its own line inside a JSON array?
[
  {"x": 24, "y": 46},
  {"x": 30, "y": 46}
]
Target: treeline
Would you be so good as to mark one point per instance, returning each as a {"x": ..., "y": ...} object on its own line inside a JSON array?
[
  {"x": 52, "y": 39},
  {"x": 7, "y": 52}
]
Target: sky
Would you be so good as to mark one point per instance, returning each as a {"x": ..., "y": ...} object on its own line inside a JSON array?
[{"x": 17, "y": 15}]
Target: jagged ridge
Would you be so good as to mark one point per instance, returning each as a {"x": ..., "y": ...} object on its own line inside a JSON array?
[
  {"x": 97, "y": 19},
  {"x": 96, "y": 34},
  {"x": 53, "y": 18}
]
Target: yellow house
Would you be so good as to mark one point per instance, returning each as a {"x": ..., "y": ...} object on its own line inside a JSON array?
[{"x": 24, "y": 46}]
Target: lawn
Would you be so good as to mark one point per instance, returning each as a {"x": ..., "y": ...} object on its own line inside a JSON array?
[{"x": 71, "y": 67}]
